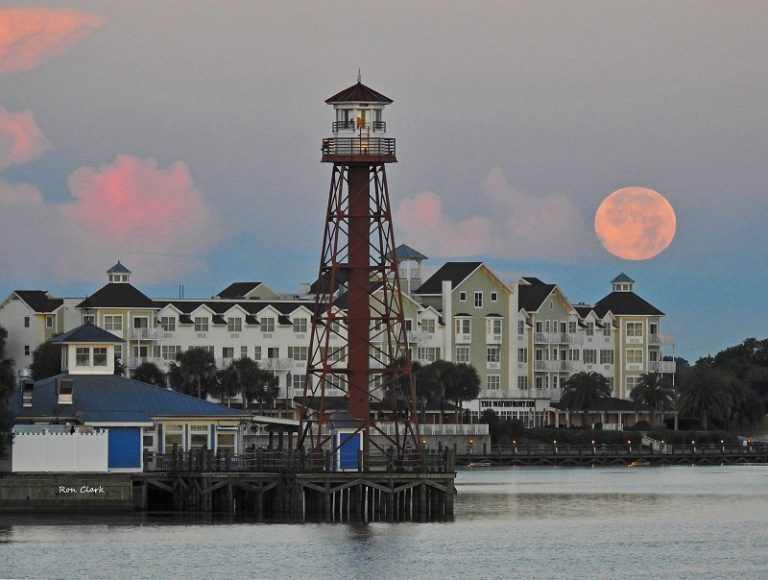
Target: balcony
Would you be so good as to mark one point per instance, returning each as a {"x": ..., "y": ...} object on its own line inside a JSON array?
[
  {"x": 664, "y": 366},
  {"x": 414, "y": 336},
  {"x": 462, "y": 338},
  {"x": 147, "y": 334},
  {"x": 493, "y": 338},
  {"x": 277, "y": 364},
  {"x": 662, "y": 339},
  {"x": 358, "y": 150}
]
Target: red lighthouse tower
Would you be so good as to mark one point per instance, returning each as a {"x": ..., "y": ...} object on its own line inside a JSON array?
[{"x": 359, "y": 391}]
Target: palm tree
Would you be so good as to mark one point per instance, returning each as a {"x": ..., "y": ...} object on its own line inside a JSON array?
[
  {"x": 194, "y": 372},
  {"x": 148, "y": 372},
  {"x": 584, "y": 392},
  {"x": 706, "y": 392},
  {"x": 654, "y": 391},
  {"x": 244, "y": 377},
  {"x": 465, "y": 386}
]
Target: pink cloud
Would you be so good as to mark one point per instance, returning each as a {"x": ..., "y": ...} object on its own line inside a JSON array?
[
  {"x": 155, "y": 219},
  {"x": 20, "y": 138},
  {"x": 505, "y": 223},
  {"x": 29, "y": 35}
]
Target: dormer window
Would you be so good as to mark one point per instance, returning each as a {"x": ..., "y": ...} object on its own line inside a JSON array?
[
  {"x": 65, "y": 388},
  {"x": 26, "y": 392}
]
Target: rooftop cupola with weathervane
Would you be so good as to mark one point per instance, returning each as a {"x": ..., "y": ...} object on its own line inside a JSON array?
[
  {"x": 623, "y": 283},
  {"x": 359, "y": 128},
  {"x": 119, "y": 273}
]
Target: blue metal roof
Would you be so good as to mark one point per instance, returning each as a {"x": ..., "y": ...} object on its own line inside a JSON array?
[
  {"x": 114, "y": 399},
  {"x": 118, "y": 269},
  {"x": 88, "y": 333}
]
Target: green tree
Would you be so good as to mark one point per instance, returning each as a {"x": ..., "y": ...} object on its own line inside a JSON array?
[
  {"x": 149, "y": 372},
  {"x": 465, "y": 386},
  {"x": 244, "y": 377},
  {"x": 706, "y": 393},
  {"x": 7, "y": 386},
  {"x": 46, "y": 361},
  {"x": 584, "y": 392},
  {"x": 654, "y": 391},
  {"x": 194, "y": 372}
]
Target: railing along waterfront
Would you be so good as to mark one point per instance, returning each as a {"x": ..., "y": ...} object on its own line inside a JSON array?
[{"x": 298, "y": 461}]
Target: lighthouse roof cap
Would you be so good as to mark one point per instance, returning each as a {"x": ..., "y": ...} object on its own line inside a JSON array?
[{"x": 358, "y": 93}]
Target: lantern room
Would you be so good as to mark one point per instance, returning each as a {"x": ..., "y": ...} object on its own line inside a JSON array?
[{"x": 359, "y": 127}]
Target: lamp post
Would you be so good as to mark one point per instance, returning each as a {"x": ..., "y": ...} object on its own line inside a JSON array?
[
  {"x": 629, "y": 445},
  {"x": 593, "y": 447},
  {"x": 555, "y": 444}
]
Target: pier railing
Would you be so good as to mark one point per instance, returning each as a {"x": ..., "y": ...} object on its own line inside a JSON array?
[{"x": 299, "y": 461}]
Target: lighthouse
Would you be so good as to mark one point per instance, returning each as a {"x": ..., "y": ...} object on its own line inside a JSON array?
[{"x": 358, "y": 350}]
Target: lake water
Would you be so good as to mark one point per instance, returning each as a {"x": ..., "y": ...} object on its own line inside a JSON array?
[{"x": 666, "y": 522}]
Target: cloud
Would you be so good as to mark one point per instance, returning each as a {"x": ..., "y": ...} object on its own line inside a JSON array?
[
  {"x": 155, "y": 219},
  {"x": 20, "y": 138},
  {"x": 508, "y": 224},
  {"x": 29, "y": 35}
]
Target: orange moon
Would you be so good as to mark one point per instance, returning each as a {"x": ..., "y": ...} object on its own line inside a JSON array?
[{"x": 635, "y": 223}]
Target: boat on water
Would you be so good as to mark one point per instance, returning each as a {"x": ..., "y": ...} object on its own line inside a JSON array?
[{"x": 640, "y": 463}]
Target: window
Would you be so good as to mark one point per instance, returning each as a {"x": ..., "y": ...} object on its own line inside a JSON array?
[
  {"x": 225, "y": 442},
  {"x": 300, "y": 325},
  {"x": 462, "y": 354},
  {"x": 113, "y": 322},
  {"x": 408, "y": 325},
  {"x": 169, "y": 352},
  {"x": 494, "y": 296},
  {"x": 590, "y": 356},
  {"x": 539, "y": 382},
  {"x": 606, "y": 357},
  {"x": 168, "y": 323},
  {"x": 89, "y": 319},
  {"x": 201, "y": 324},
  {"x": 463, "y": 326},
  {"x": 49, "y": 321},
  {"x": 297, "y": 381},
  {"x": 173, "y": 436},
  {"x": 256, "y": 353},
  {"x": 653, "y": 328},
  {"x": 118, "y": 351},
  {"x": 521, "y": 327},
  {"x": 493, "y": 327},
  {"x": 573, "y": 354},
  {"x": 26, "y": 350},
  {"x": 243, "y": 351},
  {"x": 198, "y": 436},
  {"x": 522, "y": 383},
  {"x": 607, "y": 329},
  {"x": 297, "y": 352},
  {"x": 100, "y": 356},
  {"x": 590, "y": 328},
  {"x": 478, "y": 299},
  {"x": 228, "y": 352},
  {"x": 267, "y": 324},
  {"x": 493, "y": 354},
  {"x": 428, "y": 353},
  {"x": 634, "y": 356},
  {"x": 234, "y": 324},
  {"x": 428, "y": 326},
  {"x": 82, "y": 357},
  {"x": 572, "y": 327},
  {"x": 148, "y": 439},
  {"x": 631, "y": 383},
  {"x": 462, "y": 296},
  {"x": 26, "y": 322},
  {"x": 522, "y": 355},
  {"x": 493, "y": 382},
  {"x": 140, "y": 322},
  {"x": 634, "y": 329},
  {"x": 273, "y": 352}
]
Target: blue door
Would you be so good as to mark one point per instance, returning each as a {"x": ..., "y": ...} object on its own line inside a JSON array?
[
  {"x": 124, "y": 447},
  {"x": 349, "y": 445}
]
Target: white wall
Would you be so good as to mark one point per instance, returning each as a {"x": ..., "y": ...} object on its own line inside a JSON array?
[{"x": 60, "y": 452}]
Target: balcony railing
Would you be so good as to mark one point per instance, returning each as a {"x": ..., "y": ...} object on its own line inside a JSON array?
[
  {"x": 277, "y": 364},
  {"x": 344, "y": 147},
  {"x": 147, "y": 334},
  {"x": 662, "y": 339},
  {"x": 664, "y": 366},
  {"x": 353, "y": 126}
]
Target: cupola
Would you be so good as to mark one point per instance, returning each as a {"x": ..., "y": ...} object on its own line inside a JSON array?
[
  {"x": 623, "y": 283},
  {"x": 119, "y": 273}
]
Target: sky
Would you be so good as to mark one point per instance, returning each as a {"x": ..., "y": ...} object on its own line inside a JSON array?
[{"x": 183, "y": 138}]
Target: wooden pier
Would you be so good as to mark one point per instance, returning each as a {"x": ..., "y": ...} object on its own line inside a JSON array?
[
  {"x": 295, "y": 486},
  {"x": 616, "y": 455}
]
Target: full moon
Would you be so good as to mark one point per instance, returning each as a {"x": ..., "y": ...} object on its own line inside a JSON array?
[{"x": 635, "y": 223}]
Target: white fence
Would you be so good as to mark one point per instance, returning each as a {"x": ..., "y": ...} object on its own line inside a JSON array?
[{"x": 46, "y": 451}]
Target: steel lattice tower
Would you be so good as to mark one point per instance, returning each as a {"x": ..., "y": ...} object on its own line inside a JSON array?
[{"x": 358, "y": 346}]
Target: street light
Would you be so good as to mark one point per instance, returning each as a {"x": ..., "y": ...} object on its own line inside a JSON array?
[
  {"x": 629, "y": 444},
  {"x": 555, "y": 444},
  {"x": 593, "y": 447}
]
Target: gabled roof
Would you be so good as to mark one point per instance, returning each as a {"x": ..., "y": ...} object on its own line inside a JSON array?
[
  {"x": 532, "y": 296},
  {"x": 583, "y": 310},
  {"x": 404, "y": 252},
  {"x": 358, "y": 93},
  {"x": 237, "y": 290},
  {"x": 456, "y": 272},
  {"x": 322, "y": 284},
  {"x": 532, "y": 280},
  {"x": 87, "y": 333},
  {"x": 117, "y": 295},
  {"x": 111, "y": 398},
  {"x": 118, "y": 269},
  {"x": 38, "y": 300},
  {"x": 625, "y": 304}
]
